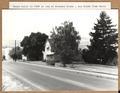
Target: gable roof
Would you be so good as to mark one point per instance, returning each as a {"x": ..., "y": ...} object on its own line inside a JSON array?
[{"x": 50, "y": 41}]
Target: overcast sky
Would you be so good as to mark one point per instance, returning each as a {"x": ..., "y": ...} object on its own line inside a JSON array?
[{"x": 19, "y": 23}]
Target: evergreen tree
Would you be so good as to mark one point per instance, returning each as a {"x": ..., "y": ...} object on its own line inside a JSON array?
[{"x": 103, "y": 42}]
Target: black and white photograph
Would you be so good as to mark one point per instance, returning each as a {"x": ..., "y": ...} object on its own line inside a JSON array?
[{"x": 54, "y": 50}]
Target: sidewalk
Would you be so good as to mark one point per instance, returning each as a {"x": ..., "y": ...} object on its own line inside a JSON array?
[{"x": 103, "y": 71}]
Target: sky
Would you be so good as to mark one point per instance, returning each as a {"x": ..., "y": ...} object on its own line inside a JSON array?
[{"x": 19, "y": 23}]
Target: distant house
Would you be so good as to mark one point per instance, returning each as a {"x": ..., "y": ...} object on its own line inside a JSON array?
[
  {"x": 5, "y": 53},
  {"x": 48, "y": 55}
]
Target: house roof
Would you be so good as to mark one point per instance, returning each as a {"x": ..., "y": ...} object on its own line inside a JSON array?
[{"x": 50, "y": 41}]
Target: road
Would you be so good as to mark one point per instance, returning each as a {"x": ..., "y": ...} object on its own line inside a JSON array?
[{"x": 45, "y": 78}]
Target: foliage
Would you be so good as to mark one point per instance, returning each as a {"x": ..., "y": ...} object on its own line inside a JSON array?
[
  {"x": 103, "y": 42},
  {"x": 65, "y": 41},
  {"x": 16, "y": 53},
  {"x": 33, "y": 45}
]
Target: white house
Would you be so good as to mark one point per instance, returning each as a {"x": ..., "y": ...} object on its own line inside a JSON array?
[
  {"x": 48, "y": 54},
  {"x": 5, "y": 52}
]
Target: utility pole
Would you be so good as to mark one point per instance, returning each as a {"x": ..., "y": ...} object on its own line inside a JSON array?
[{"x": 15, "y": 50}]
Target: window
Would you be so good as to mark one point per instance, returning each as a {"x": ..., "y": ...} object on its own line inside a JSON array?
[{"x": 47, "y": 48}]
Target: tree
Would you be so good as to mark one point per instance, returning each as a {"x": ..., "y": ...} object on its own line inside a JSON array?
[
  {"x": 33, "y": 45},
  {"x": 16, "y": 53},
  {"x": 103, "y": 42},
  {"x": 65, "y": 42}
]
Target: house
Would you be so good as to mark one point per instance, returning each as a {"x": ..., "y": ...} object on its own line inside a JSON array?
[
  {"x": 48, "y": 55},
  {"x": 5, "y": 52}
]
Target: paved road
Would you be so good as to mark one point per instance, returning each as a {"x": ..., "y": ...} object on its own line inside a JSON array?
[{"x": 49, "y": 78}]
